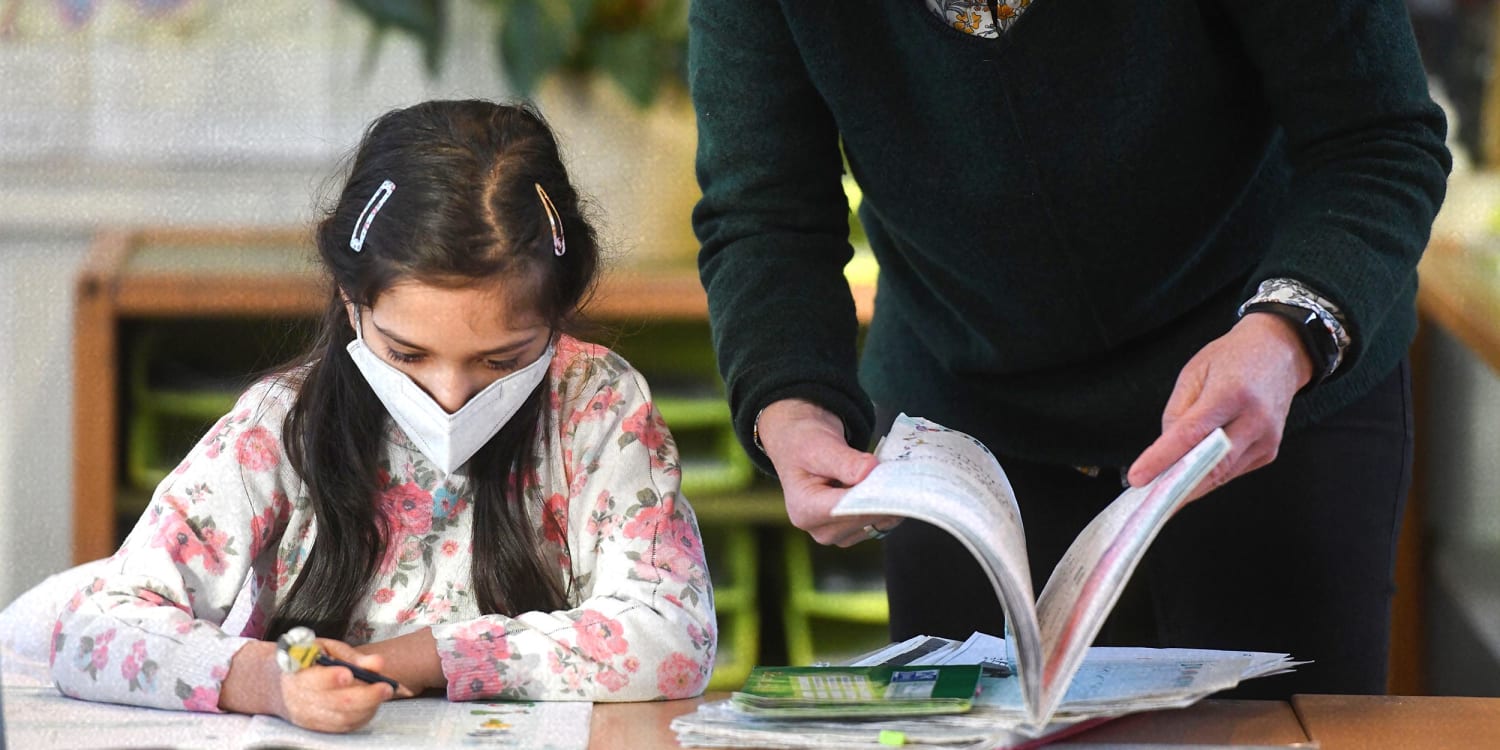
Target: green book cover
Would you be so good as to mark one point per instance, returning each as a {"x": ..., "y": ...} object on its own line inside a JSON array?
[{"x": 858, "y": 691}]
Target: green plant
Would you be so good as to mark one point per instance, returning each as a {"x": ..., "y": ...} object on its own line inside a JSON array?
[{"x": 639, "y": 44}]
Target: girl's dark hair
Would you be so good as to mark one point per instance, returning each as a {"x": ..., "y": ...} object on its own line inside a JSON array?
[{"x": 465, "y": 211}]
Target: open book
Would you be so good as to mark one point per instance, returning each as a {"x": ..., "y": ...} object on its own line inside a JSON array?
[{"x": 950, "y": 480}]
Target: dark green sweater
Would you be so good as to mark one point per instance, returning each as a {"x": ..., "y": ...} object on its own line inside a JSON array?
[{"x": 1062, "y": 216}]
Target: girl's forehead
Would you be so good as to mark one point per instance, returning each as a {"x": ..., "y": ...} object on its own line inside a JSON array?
[{"x": 484, "y": 310}]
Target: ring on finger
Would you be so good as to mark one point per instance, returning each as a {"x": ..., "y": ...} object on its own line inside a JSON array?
[{"x": 874, "y": 532}]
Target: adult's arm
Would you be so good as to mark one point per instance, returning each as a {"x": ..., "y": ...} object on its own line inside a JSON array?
[
  {"x": 1365, "y": 141},
  {"x": 773, "y": 220}
]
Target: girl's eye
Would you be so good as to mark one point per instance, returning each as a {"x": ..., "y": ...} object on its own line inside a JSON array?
[
  {"x": 509, "y": 364},
  {"x": 402, "y": 357}
]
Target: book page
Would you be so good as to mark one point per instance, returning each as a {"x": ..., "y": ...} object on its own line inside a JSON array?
[
  {"x": 438, "y": 722},
  {"x": 950, "y": 480},
  {"x": 1088, "y": 580},
  {"x": 39, "y": 716}
]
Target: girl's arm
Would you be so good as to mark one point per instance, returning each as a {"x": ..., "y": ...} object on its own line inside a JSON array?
[
  {"x": 644, "y": 625},
  {"x": 147, "y": 630}
]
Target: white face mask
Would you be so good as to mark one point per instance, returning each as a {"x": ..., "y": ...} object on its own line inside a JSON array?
[{"x": 447, "y": 440}]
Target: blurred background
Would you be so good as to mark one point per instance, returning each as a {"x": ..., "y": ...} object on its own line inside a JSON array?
[{"x": 145, "y": 141}]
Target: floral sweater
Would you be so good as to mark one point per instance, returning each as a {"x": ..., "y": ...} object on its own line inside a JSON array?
[{"x": 228, "y": 531}]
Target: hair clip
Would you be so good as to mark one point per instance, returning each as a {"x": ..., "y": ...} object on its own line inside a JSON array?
[
  {"x": 559, "y": 242},
  {"x": 367, "y": 216}
]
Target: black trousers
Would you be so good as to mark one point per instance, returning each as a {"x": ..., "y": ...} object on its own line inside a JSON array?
[{"x": 1295, "y": 557}]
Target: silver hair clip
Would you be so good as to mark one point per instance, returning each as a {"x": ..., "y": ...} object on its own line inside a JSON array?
[
  {"x": 559, "y": 242},
  {"x": 367, "y": 216}
]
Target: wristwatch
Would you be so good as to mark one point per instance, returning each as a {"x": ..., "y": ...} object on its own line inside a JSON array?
[{"x": 1321, "y": 344}]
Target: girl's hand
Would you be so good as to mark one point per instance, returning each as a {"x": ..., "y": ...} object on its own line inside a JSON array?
[
  {"x": 323, "y": 699},
  {"x": 332, "y": 699}
]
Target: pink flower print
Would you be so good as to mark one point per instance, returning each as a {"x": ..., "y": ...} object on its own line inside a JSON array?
[
  {"x": 611, "y": 679},
  {"x": 183, "y": 467},
  {"x": 481, "y": 641},
  {"x": 646, "y": 425},
  {"x": 409, "y": 506},
  {"x": 176, "y": 533},
  {"x": 213, "y": 439},
  {"x": 264, "y": 525},
  {"x": 680, "y": 677},
  {"x": 678, "y": 532},
  {"x": 256, "y": 449},
  {"x": 450, "y": 547},
  {"x": 131, "y": 667},
  {"x": 93, "y": 653},
  {"x": 602, "y": 403},
  {"x": 599, "y": 638},
  {"x": 555, "y": 518},
  {"x": 215, "y": 542},
  {"x": 409, "y": 548},
  {"x": 632, "y": 664},
  {"x": 702, "y": 637},
  {"x": 603, "y": 521},
  {"x": 671, "y": 564},
  {"x": 643, "y": 524},
  {"x": 198, "y": 698},
  {"x": 56, "y": 642},
  {"x": 261, "y": 527},
  {"x": 149, "y": 598},
  {"x": 255, "y": 624},
  {"x": 438, "y": 609},
  {"x": 405, "y": 616},
  {"x": 385, "y": 595},
  {"x": 481, "y": 684},
  {"x": 569, "y": 672}
]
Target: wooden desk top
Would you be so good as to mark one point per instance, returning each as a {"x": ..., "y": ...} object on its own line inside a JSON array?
[
  {"x": 36, "y": 715},
  {"x": 1335, "y": 722},
  {"x": 1365, "y": 722},
  {"x": 641, "y": 726}
]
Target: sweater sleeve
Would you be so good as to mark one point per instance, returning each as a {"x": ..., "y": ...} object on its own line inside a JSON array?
[
  {"x": 773, "y": 220},
  {"x": 1365, "y": 140},
  {"x": 643, "y": 628},
  {"x": 147, "y": 630}
]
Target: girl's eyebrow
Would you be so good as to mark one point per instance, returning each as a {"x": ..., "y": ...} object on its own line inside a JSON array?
[{"x": 504, "y": 349}]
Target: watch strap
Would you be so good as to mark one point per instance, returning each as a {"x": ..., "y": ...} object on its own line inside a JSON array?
[{"x": 1317, "y": 340}]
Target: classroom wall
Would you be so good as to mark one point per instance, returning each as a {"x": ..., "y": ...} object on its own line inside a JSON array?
[
  {"x": 231, "y": 115},
  {"x": 235, "y": 114},
  {"x": 35, "y": 402}
]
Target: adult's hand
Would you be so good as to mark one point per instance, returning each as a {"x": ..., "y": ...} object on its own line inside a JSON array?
[
  {"x": 1242, "y": 381},
  {"x": 816, "y": 466}
]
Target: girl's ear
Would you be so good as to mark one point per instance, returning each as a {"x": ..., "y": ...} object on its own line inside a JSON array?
[{"x": 350, "y": 310}]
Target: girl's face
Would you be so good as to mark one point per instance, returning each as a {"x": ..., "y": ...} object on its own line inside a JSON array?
[{"x": 453, "y": 342}]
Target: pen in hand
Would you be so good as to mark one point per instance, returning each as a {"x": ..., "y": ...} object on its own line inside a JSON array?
[{"x": 298, "y": 649}]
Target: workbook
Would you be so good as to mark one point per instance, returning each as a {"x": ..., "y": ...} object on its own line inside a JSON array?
[{"x": 950, "y": 480}]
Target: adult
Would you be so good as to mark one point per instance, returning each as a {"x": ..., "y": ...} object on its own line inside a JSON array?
[{"x": 1103, "y": 230}]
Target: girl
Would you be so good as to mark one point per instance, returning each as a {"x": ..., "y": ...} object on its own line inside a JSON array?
[{"x": 452, "y": 491}]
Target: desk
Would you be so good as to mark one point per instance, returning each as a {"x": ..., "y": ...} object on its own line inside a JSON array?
[{"x": 1334, "y": 722}]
